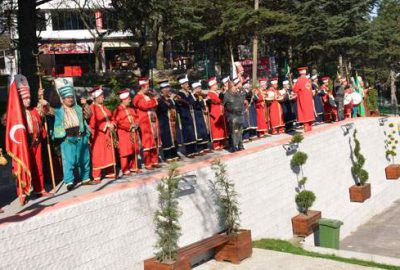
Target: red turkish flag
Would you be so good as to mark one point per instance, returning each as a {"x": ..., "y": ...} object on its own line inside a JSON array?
[{"x": 17, "y": 137}]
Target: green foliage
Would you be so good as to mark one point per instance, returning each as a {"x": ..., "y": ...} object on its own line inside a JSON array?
[
  {"x": 384, "y": 38},
  {"x": 166, "y": 218},
  {"x": 297, "y": 138},
  {"x": 303, "y": 181},
  {"x": 304, "y": 200},
  {"x": 299, "y": 159},
  {"x": 286, "y": 246},
  {"x": 391, "y": 143},
  {"x": 358, "y": 164},
  {"x": 226, "y": 198}
]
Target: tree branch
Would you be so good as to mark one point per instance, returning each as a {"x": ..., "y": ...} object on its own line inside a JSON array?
[{"x": 41, "y": 2}]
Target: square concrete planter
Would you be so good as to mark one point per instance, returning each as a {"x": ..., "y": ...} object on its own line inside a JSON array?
[
  {"x": 180, "y": 264},
  {"x": 360, "y": 193},
  {"x": 304, "y": 225},
  {"x": 392, "y": 172},
  {"x": 238, "y": 248}
]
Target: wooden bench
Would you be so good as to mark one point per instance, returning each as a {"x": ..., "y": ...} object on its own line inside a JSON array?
[{"x": 187, "y": 253}]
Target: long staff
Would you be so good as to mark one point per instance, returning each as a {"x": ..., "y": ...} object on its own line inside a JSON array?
[
  {"x": 112, "y": 140},
  {"x": 53, "y": 181}
]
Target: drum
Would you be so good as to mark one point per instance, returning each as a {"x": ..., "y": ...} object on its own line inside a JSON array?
[
  {"x": 270, "y": 96},
  {"x": 332, "y": 101},
  {"x": 357, "y": 98},
  {"x": 347, "y": 99}
]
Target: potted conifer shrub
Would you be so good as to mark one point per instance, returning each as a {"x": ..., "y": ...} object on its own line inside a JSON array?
[
  {"x": 361, "y": 190},
  {"x": 305, "y": 223},
  {"x": 393, "y": 170},
  {"x": 239, "y": 245},
  {"x": 168, "y": 230}
]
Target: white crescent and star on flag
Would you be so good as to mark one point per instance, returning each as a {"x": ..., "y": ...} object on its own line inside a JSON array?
[{"x": 13, "y": 130}]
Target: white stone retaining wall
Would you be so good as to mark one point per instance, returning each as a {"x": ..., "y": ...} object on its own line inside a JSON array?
[{"x": 115, "y": 231}]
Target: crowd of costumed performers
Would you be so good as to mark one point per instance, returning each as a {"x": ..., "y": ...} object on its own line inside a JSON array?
[{"x": 152, "y": 126}]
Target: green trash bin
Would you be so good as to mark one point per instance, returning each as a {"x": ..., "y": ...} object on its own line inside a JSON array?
[{"x": 329, "y": 232}]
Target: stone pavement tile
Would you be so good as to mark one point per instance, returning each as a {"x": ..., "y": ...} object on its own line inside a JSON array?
[
  {"x": 380, "y": 235},
  {"x": 273, "y": 260}
]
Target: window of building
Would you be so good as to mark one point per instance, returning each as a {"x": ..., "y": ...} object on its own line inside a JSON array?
[
  {"x": 110, "y": 19},
  {"x": 2, "y": 60},
  {"x": 72, "y": 20},
  {"x": 41, "y": 21}
]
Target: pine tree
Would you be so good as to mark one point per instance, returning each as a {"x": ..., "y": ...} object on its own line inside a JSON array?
[
  {"x": 166, "y": 218},
  {"x": 226, "y": 198}
]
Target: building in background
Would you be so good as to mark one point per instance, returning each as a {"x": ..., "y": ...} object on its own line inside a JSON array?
[{"x": 68, "y": 32}]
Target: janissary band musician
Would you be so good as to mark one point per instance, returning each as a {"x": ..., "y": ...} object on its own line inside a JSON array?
[
  {"x": 103, "y": 139},
  {"x": 182, "y": 116},
  {"x": 127, "y": 124},
  {"x": 72, "y": 131}
]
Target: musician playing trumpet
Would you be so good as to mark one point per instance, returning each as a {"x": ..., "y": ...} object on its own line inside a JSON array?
[
  {"x": 288, "y": 106},
  {"x": 201, "y": 114},
  {"x": 330, "y": 109},
  {"x": 128, "y": 133}
]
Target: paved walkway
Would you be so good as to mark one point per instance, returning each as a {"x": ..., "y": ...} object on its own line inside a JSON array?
[
  {"x": 273, "y": 260},
  {"x": 380, "y": 235}
]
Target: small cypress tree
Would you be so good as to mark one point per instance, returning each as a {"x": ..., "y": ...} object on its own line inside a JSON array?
[
  {"x": 167, "y": 216},
  {"x": 391, "y": 143},
  {"x": 358, "y": 164},
  {"x": 227, "y": 198},
  {"x": 304, "y": 198}
]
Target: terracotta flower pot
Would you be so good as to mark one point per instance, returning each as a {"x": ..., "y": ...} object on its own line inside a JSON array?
[
  {"x": 304, "y": 225},
  {"x": 239, "y": 247},
  {"x": 360, "y": 193},
  {"x": 180, "y": 264},
  {"x": 392, "y": 172}
]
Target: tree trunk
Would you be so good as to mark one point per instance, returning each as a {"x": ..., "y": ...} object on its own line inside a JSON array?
[
  {"x": 160, "y": 50},
  {"x": 98, "y": 57},
  {"x": 27, "y": 43},
  {"x": 393, "y": 96},
  {"x": 255, "y": 51},
  {"x": 340, "y": 59}
]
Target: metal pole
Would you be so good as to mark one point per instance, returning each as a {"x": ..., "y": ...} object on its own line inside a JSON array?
[{"x": 255, "y": 47}]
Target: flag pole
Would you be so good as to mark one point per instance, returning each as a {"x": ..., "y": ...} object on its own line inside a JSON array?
[
  {"x": 45, "y": 125},
  {"x": 136, "y": 154},
  {"x": 21, "y": 202}
]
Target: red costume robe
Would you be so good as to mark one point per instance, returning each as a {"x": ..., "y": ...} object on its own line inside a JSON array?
[
  {"x": 261, "y": 107},
  {"x": 276, "y": 113},
  {"x": 145, "y": 109},
  {"x": 102, "y": 147},
  {"x": 305, "y": 102},
  {"x": 37, "y": 134},
  {"x": 128, "y": 139},
  {"x": 217, "y": 121},
  {"x": 330, "y": 112}
]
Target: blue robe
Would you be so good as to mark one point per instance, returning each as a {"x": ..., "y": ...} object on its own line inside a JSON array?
[
  {"x": 318, "y": 104},
  {"x": 186, "y": 114},
  {"x": 289, "y": 111},
  {"x": 168, "y": 122},
  {"x": 201, "y": 127},
  {"x": 250, "y": 118}
]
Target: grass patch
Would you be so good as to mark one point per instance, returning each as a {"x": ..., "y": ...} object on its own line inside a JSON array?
[{"x": 285, "y": 246}]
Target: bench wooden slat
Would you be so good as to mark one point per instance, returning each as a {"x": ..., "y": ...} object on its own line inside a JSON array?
[
  {"x": 204, "y": 245},
  {"x": 186, "y": 253}
]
